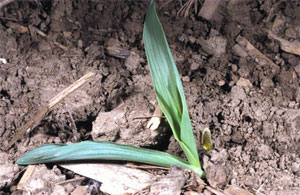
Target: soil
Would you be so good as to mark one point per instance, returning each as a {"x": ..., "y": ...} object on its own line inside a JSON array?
[{"x": 252, "y": 110}]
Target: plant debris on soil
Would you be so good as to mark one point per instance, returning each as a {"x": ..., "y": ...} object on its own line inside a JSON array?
[{"x": 240, "y": 68}]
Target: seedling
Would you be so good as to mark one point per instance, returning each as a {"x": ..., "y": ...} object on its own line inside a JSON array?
[
  {"x": 206, "y": 140},
  {"x": 170, "y": 96}
]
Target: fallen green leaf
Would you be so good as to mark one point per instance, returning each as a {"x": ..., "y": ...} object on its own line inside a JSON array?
[{"x": 90, "y": 150}]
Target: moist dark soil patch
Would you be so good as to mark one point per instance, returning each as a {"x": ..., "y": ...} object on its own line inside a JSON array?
[{"x": 255, "y": 126}]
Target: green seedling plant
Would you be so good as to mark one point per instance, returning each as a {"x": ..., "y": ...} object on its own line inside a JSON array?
[
  {"x": 206, "y": 140},
  {"x": 170, "y": 96}
]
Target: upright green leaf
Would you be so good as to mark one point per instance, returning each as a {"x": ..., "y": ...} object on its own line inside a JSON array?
[{"x": 168, "y": 85}]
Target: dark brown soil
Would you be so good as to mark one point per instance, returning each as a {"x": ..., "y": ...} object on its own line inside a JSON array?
[{"x": 255, "y": 126}]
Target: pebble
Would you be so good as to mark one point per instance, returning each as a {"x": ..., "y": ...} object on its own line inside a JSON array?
[
  {"x": 195, "y": 66},
  {"x": 238, "y": 93},
  {"x": 234, "y": 67},
  {"x": 221, "y": 83},
  {"x": 242, "y": 82},
  {"x": 295, "y": 167}
]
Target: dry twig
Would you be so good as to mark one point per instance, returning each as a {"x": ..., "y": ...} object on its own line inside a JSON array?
[
  {"x": 185, "y": 9},
  {"x": 41, "y": 113},
  {"x": 260, "y": 58},
  {"x": 4, "y": 3}
]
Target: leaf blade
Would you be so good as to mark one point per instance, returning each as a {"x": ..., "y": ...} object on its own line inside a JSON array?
[
  {"x": 168, "y": 85},
  {"x": 90, "y": 150}
]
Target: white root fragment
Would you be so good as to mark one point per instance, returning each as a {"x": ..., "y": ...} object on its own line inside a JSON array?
[
  {"x": 4, "y": 61},
  {"x": 155, "y": 120}
]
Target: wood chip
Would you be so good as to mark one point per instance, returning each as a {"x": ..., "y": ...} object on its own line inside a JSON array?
[
  {"x": 17, "y": 27},
  {"x": 236, "y": 190},
  {"x": 242, "y": 82},
  {"x": 60, "y": 46},
  {"x": 209, "y": 8},
  {"x": 260, "y": 58},
  {"x": 114, "y": 48},
  {"x": 79, "y": 190},
  {"x": 114, "y": 178},
  {"x": 26, "y": 176},
  {"x": 239, "y": 51},
  {"x": 193, "y": 193},
  {"x": 23, "y": 29},
  {"x": 214, "y": 191},
  {"x": 285, "y": 45},
  {"x": 33, "y": 33},
  {"x": 278, "y": 23}
]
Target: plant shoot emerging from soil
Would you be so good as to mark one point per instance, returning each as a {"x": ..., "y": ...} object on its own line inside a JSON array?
[{"x": 171, "y": 99}]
